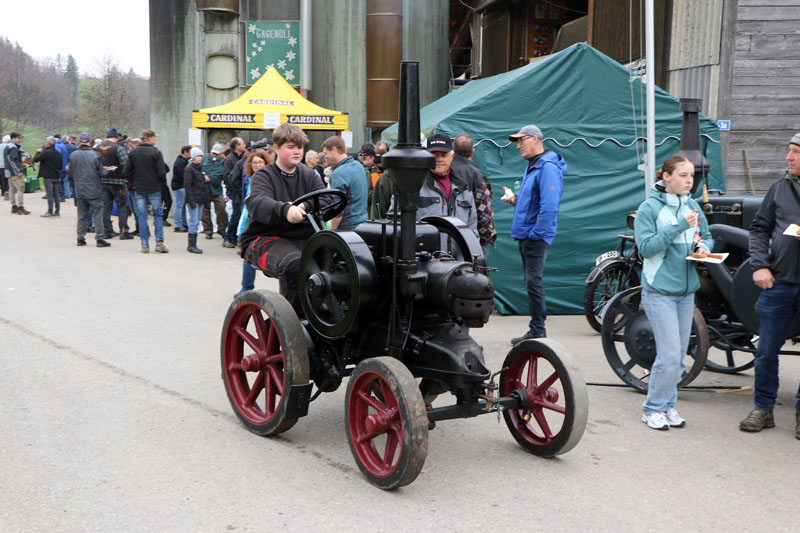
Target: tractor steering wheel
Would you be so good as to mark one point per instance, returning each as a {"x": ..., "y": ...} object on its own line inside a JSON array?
[{"x": 319, "y": 213}]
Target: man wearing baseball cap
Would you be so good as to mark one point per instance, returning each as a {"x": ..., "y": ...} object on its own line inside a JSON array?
[
  {"x": 776, "y": 270},
  {"x": 146, "y": 170},
  {"x": 443, "y": 192},
  {"x": 85, "y": 169},
  {"x": 535, "y": 218}
]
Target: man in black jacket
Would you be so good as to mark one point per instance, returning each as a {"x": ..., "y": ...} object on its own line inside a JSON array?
[
  {"x": 233, "y": 186},
  {"x": 148, "y": 172},
  {"x": 50, "y": 163},
  {"x": 178, "y": 167},
  {"x": 777, "y": 273},
  {"x": 480, "y": 186}
]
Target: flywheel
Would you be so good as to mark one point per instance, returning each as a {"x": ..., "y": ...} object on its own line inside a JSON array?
[{"x": 338, "y": 282}]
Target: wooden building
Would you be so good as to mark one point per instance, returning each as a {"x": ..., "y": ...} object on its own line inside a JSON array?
[{"x": 739, "y": 56}]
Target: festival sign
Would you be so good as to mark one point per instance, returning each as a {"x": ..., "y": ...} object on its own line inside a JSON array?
[{"x": 273, "y": 44}]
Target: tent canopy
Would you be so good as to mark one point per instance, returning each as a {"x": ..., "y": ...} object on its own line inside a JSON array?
[
  {"x": 592, "y": 113},
  {"x": 269, "y": 102}
]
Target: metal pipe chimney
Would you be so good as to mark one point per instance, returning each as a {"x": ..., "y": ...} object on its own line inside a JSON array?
[{"x": 690, "y": 139}]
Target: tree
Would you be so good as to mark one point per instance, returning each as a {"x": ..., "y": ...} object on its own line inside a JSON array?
[
  {"x": 71, "y": 73},
  {"x": 31, "y": 92},
  {"x": 112, "y": 98}
]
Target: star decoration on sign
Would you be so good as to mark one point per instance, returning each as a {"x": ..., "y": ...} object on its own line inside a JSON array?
[
  {"x": 263, "y": 43},
  {"x": 248, "y": 59},
  {"x": 290, "y": 55},
  {"x": 255, "y": 73},
  {"x": 289, "y": 75},
  {"x": 254, "y": 54},
  {"x": 255, "y": 45},
  {"x": 292, "y": 41},
  {"x": 271, "y": 65},
  {"x": 288, "y": 26},
  {"x": 259, "y": 48},
  {"x": 251, "y": 28},
  {"x": 281, "y": 64}
]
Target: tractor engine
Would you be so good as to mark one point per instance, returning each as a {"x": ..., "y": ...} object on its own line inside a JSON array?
[{"x": 389, "y": 287}]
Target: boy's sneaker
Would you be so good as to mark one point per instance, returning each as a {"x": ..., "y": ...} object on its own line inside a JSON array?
[
  {"x": 655, "y": 419},
  {"x": 674, "y": 419},
  {"x": 160, "y": 248},
  {"x": 13, "y": 210},
  {"x": 757, "y": 420},
  {"x": 145, "y": 250}
]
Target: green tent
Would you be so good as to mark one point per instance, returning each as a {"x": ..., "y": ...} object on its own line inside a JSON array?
[{"x": 591, "y": 112}]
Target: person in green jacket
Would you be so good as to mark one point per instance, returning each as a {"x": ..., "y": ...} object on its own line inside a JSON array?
[
  {"x": 213, "y": 167},
  {"x": 669, "y": 226}
]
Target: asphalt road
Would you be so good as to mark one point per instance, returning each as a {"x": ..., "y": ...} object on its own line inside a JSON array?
[{"x": 113, "y": 417}]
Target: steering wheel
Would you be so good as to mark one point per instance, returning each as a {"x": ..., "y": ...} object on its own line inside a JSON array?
[{"x": 320, "y": 213}]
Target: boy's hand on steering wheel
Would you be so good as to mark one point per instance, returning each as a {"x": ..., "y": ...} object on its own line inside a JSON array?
[{"x": 296, "y": 214}]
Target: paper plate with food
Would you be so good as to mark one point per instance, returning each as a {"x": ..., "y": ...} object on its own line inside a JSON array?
[{"x": 706, "y": 257}]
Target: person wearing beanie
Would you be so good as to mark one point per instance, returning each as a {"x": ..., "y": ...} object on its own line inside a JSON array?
[
  {"x": 776, "y": 271},
  {"x": 194, "y": 183},
  {"x": 213, "y": 167}
]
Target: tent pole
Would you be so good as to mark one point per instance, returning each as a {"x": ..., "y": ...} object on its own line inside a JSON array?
[
  {"x": 650, "y": 173},
  {"x": 305, "y": 46}
]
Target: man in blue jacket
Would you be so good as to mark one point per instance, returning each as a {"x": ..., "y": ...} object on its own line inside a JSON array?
[
  {"x": 347, "y": 176},
  {"x": 64, "y": 189},
  {"x": 535, "y": 218}
]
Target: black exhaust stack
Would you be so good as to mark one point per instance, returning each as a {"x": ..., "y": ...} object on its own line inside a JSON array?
[
  {"x": 690, "y": 139},
  {"x": 408, "y": 164}
]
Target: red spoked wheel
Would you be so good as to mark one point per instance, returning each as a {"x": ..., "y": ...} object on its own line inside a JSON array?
[
  {"x": 263, "y": 353},
  {"x": 386, "y": 421},
  {"x": 554, "y": 419}
]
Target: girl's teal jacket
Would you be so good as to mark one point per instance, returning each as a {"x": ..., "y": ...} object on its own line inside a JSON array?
[{"x": 665, "y": 239}]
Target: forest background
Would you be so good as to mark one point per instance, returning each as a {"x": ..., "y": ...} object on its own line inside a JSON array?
[{"x": 45, "y": 96}]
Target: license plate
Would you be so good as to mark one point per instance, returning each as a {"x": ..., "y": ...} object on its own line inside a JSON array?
[{"x": 603, "y": 257}]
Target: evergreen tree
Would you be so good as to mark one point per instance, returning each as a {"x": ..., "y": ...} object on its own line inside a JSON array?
[{"x": 71, "y": 73}]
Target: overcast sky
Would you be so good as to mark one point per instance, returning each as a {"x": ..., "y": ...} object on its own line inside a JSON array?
[{"x": 45, "y": 28}]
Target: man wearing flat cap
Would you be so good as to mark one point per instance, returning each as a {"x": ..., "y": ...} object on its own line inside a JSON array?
[
  {"x": 85, "y": 169},
  {"x": 776, "y": 270},
  {"x": 535, "y": 218}
]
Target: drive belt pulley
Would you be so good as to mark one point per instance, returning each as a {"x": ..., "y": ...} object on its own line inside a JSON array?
[{"x": 337, "y": 282}]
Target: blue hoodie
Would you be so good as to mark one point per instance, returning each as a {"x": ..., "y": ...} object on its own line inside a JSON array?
[
  {"x": 665, "y": 239},
  {"x": 536, "y": 210}
]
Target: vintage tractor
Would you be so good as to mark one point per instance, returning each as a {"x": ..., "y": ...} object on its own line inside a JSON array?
[{"x": 387, "y": 308}]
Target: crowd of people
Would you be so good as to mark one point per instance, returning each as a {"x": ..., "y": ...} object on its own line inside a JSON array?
[{"x": 262, "y": 180}]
